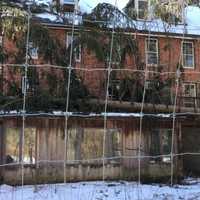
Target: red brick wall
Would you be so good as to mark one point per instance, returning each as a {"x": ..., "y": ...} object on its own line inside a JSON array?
[{"x": 95, "y": 80}]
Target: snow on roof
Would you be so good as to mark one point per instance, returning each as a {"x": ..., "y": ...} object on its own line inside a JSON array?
[
  {"x": 192, "y": 14},
  {"x": 45, "y": 2},
  {"x": 15, "y": 113},
  {"x": 50, "y": 17}
]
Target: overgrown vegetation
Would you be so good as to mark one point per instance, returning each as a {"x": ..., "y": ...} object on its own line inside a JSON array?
[
  {"x": 168, "y": 11},
  {"x": 47, "y": 88}
]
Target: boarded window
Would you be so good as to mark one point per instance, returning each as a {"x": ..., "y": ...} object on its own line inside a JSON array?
[
  {"x": 161, "y": 144},
  {"x": 87, "y": 144},
  {"x": 13, "y": 145},
  {"x": 29, "y": 145}
]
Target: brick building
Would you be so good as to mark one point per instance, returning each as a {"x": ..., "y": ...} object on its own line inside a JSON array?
[{"x": 162, "y": 51}]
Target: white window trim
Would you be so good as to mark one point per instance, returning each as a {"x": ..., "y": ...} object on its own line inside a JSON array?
[
  {"x": 24, "y": 84},
  {"x": 146, "y": 51},
  {"x": 188, "y": 67},
  {"x": 77, "y": 59}
]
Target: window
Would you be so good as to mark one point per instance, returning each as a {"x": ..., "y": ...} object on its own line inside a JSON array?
[
  {"x": 12, "y": 145},
  {"x": 151, "y": 51},
  {"x": 160, "y": 144},
  {"x": 141, "y": 8},
  {"x": 149, "y": 85},
  {"x": 114, "y": 90},
  {"x": 13, "y": 151},
  {"x": 33, "y": 51},
  {"x": 87, "y": 144},
  {"x": 1, "y": 40},
  {"x": 189, "y": 94},
  {"x": 24, "y": 84},
  {"x": 116, "y": 55},
  {"x": 29, "y": 145},
  {"x": 77, "y": 50},
  {"x": 1, "y": 54},
  {"x": 188, "y": 54}
]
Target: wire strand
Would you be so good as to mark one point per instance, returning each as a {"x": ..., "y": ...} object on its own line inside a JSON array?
[
  {"x": 69, "y": 70},
  {"x": 107, "y": 93}
]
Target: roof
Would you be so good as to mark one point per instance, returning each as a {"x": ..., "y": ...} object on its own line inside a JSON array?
[{"x": 191, "y": 27}]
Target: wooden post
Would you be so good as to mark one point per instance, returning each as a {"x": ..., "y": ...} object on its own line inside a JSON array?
[
  {"x": 79, "y": 138},
  {"x": 180, "y": 150}
]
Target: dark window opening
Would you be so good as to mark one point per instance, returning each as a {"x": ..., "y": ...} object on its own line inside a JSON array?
[{"x": 160, "y": 146}]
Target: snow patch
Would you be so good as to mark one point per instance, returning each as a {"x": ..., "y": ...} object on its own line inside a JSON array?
[
  {"x": 49, "y": 16},
  {"x": 5, "y": 188},
  {"x": 45, "y": 2},
  {"x": 101, "y": 191}
]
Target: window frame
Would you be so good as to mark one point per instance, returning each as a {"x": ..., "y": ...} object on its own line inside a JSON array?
[
  {"x": 138, "y": 10},
  {"x": 190, "y": 83},
  {"x": 185, "y": 96},
  {"x": 19, "y": 148},
  {"x": 162, "y": 156},
  {"x": 33, "y": 51},
  {"x": 147, "y": 51},
  {"x": 183, "y": 55},
  {"x": 149, "y": 85},
  {"x": 114, "y": 62},
  {"x": 114, "y": 85},
  {"x": 1, "y": 40},
  {"x": 1, "y": 46},
  {"x": 79, "y": 58},
  {"x": 91, "y": 134}
]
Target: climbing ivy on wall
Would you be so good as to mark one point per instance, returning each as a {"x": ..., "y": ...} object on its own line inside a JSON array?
[{"x": 50, "y": 50}]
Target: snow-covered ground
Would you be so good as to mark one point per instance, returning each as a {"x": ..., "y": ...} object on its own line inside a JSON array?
[{"x": 101, "y": 191}]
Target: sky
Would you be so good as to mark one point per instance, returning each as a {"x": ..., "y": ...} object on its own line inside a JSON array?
[{"x": 88, "y": 5}]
